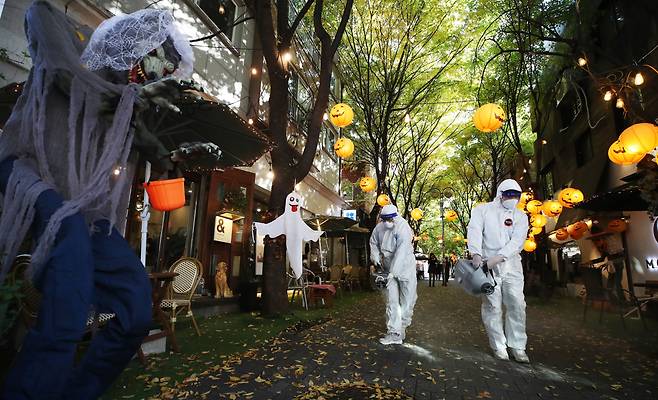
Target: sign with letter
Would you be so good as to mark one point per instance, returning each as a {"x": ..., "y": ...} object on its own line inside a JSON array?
[
  {"x": 351, "y": 214},
  {"x": 223, "y": 229}
]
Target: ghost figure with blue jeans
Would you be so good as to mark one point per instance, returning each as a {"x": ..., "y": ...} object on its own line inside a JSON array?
[
  {"x": 496, "y": 232},
  {"x": 291, "y": 224},
  {"x": 391, "y": 246}
]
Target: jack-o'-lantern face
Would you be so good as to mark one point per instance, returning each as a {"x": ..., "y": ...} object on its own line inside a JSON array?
[
  {"x": 416, "y": 214},
  {"x": 534, "y": 206},
  {"x": 617, "y": 225},
  {"x": 451, "y": 215},
  {"x": 341, "y": 115},
  {"x": 489, "y": 117},
  {"x": 367, "y": 184},
  {"x": 562, "y": 234},
  {"x": 344, "y": 147},
  {"x": 535, "y": 230},
  {"x": 551, "y": 208},
  {"x": 530, "y": 245},
  {"x": 526, "y": 197},
  {"x": 577, "y": 229},
  {"x": 293, "y": 202},
  {"x": 570, "y": 197},
  {"x": 383, "y": 200},
  {"x": 538, "y": 220}
]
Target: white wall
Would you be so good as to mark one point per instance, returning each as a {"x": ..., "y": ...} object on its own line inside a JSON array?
[{"x": 642, "y": 245}]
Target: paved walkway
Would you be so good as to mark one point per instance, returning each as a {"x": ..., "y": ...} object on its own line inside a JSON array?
[{"x": 446, "y": 357}]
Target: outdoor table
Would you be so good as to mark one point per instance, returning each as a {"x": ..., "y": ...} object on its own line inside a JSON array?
[
  {"x": 325, "y": 292},
  {"x": 160, "y": 282}
]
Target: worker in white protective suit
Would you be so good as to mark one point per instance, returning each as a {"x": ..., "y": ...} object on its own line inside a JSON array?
[
  {"x": 391, "y": 247},
  {"x": 496, "y": 233}
]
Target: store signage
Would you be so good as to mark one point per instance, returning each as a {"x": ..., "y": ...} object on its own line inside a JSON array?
[
  {"x": 351, "y": 214},
  {"x": 223, "y": 229},
  {"x": 655, "y": 229},
  {"x": 651, "y": 262}
]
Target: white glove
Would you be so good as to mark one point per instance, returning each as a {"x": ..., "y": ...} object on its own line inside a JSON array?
[
  {"x": 477, "y": 261},
  {"x": 495, "y": 260}
]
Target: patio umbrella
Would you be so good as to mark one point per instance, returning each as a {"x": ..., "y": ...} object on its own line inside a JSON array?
[{"x": 329, "y": 223}]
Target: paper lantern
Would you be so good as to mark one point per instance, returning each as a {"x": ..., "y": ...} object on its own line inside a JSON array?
[
  {"x": 367, "y": 184},
  {"x": 538, "y": 220},
  {"x": 489, "y": 117},
  {"x": 619, "y": 154},
  {"x": 416, "y": 214},
  {"x": 561, "y": 234},
  {"x": 534, "y": 206},
  {"x": 535, "y": 230},
  {"x": 570, "y": 197},
  {"x": 451, "y": 215},
  {"x": 344, "y": 147},
  {"x": 526, "y": 197},
  {"x": 529, "y": 245},
  {"x": 617, "y": 225},
  {"x": 577, "y": 229},
  {"x": 341, "y": 115},
  {"x": 383, "y": 200},
  {"x": 551, "y": 208},
  {"x": 166, "y": 195},
  {"x": 640, "y": 138}
]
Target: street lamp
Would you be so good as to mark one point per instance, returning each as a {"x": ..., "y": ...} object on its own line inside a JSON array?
[{"x": 444, "y": 201}]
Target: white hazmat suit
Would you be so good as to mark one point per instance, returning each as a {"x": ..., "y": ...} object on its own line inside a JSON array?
[
  {"x": 391, "y": 245},
  {"x": 498, "y": 232}
]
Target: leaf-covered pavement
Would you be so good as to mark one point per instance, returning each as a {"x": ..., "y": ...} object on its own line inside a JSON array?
[{"x": 446, "y": 357}]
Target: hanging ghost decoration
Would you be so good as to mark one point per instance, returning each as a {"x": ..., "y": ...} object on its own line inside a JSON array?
[{"x": 295, "y": 229}]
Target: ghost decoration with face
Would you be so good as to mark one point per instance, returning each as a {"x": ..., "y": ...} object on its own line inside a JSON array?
[{"x": 295, "y": 229}]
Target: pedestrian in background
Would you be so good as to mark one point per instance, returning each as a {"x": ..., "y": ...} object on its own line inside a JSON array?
[
  {"x": 447, "y": 265},
  {"x": 433, "y": 269}
]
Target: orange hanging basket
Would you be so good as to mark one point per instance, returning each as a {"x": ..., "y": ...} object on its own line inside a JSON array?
[{"x": 166, "y": 195}]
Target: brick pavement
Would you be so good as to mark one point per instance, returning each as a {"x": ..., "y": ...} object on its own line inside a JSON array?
[{"x": 446, "y": 356}]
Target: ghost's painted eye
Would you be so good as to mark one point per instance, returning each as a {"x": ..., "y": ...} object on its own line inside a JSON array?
[
  {"x": 292, "y": 199},
  {"x": 297, "y": 200}
]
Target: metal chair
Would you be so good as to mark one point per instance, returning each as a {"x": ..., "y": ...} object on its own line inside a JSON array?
[
  {"x": 300, "y": 285},
  {"x": 182, "y": 289}
]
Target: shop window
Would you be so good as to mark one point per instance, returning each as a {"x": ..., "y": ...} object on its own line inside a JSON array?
[
  {"x": 222, "y": 14},
  {"x": 584, "y": 151},
  {"x": 569, "y": 108},
  {"x": 548, "y": 186}
]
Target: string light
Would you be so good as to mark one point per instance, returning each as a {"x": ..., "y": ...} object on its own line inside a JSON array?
[
  {"x": 325, "y": 116},
  {"x": 117, "y": 171},
  {"x": 254, "y": 71},
  {"x": 582, "y": 61},
  {"x": 607, "y": 96},
  {"x": 250, "y": 121},
  {"x": 544, "y": 141},
  {"x": 221, "y": 9},
  {"x": 530, "y": 161},
  {"x": 619, "y": 103},
  {"x": 270, "y": 174},
  {"x": 639, "y": 79},
  {"x": 287, "y": 56}
]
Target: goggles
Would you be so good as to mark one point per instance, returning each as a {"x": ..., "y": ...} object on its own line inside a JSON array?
[{"x": 511, "y": 193}]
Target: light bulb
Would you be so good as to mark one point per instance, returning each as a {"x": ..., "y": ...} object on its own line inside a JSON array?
[
  {"x": 221, "y": 9},
  {"x": 639, "y": 79},
  {"x": 530, "y": 161},
  {"x": 582, "y": 61},
  {"x": 117, "y": 171},
  {"x": 254, "y": 71},
  {"x": 270, "y": 175},
  {"x": 325, "y": 116},
  {"x": 250, "y": 121},
  {"x": 607, "y": 96},
  {"x": 619, "y": 103},
  {"x": 544, "y": 141},
  {"x": 287, "y": 56},
  {"x": 407, "y": 118}
]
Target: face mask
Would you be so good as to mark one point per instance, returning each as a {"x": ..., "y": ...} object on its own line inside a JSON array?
[
  {"x": 389, "y": 224},
  {"x": 510, "y": 203}
]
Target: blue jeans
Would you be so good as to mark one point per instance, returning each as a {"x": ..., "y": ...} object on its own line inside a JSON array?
[{"x": 82, "y": 270}]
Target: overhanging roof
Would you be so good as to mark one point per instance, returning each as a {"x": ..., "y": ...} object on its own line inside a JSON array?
[{"x": 623, "y": 198}]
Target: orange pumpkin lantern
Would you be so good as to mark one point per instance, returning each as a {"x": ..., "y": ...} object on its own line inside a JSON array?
[
  {"x": 534, "y": 206},
  {"x": 621, "y": 155},
  {"x": 526, "y": 197},
  {"x": 416, "y": 214},
  {"x": 617, "y": 225},
  {"x": 341, "y": 115},
  {"x": 521, "y": 206},
  {"x": 538, "y": 220},
  {"x": 489, "y": 117},
  {"x": 451, "y": 215},
  {"x": 344, "y": 147},
  {"x": 577, "y": 229},
  {"x": 529, "y": 245},
  {"x": 570, "y": 197},
  {"x": 166, "y": 195},
  {"x": 535, "y": 230},
  {"x": 383, "y": 200},
  {"x": 551, "y": 208},
  {"x": 367, "y": 184},
  {"x": 640, "y": 138},
  {"x": 561, "y": 234}
]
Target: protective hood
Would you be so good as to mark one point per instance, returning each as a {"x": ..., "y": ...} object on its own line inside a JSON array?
[{"x": 507, "y": 184}]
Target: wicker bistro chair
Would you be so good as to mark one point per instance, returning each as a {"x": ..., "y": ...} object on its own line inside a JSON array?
[
  {"x": 182, "y": 289},
  {"x": 335, "y": 276},
  {"x": 30, "y": 301}
]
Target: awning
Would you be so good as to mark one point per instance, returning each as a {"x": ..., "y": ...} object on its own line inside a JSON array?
[
  {"x": 623, "y": 198},
  {"x": 203, "y": 119},
  {"x": 329, "y": 223}
]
